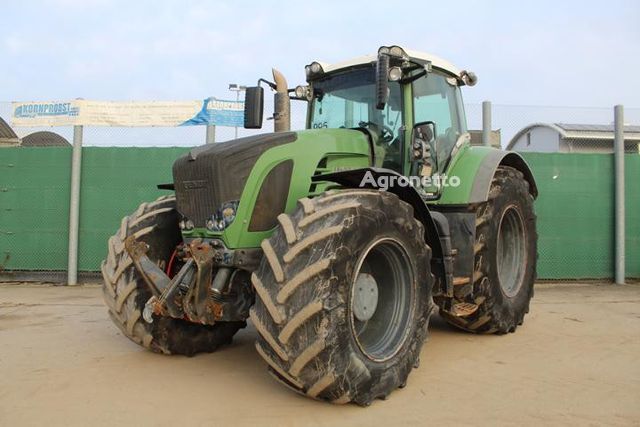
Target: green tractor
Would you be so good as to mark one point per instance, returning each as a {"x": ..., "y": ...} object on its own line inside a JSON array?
[{"x": 337, "y": 241}]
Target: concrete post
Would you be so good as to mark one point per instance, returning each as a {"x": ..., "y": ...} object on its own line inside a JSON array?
[
  {"x": 211, "y": 134},
  {"x": 74, "y": 207},
  {"x": 618, "y": 114},
  {"x": 486, "y": 123},
  {"x": 235, "y": 133}
]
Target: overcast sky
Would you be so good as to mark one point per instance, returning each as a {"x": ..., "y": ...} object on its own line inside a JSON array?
[{"x": 582, "y": 53}]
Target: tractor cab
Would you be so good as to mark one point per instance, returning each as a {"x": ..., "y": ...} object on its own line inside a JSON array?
[{"x": 409, "y": 102}]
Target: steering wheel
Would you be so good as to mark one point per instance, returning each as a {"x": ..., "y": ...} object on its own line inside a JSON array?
[{"x": 386, "y": 133}]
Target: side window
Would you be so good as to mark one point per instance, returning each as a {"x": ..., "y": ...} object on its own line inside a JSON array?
[
  {"x": 330, "y": 112},
  {"x": 435, "y": 100}
]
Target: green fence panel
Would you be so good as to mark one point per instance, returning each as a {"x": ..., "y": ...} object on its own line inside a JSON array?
[
  {"x": 632, "y": 214},
  {"x": 34, "y": 200},
  {"x": 114, "y": 182},
  {"x": 34, "y": 207},
  {"x": 576, "y": 217},
  {"x": 575, "y": 208}
]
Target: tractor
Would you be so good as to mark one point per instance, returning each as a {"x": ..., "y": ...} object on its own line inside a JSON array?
[{"x": 339, "y": 241}]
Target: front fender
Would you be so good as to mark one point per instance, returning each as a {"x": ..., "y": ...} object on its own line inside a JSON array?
[
  {"x": 475, "y": 167},
  {"x": 355, "y": 179}
]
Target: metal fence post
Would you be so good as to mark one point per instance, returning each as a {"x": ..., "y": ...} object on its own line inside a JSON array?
[
  {"x": 74, "y": 207},
  {"x": 618, "y": 114},
  {"x": 211, "y": 134},
  {"x": 486, "y": 123}
]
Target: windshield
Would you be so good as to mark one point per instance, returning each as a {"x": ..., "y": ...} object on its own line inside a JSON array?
[{"x": 348, "y": 100}]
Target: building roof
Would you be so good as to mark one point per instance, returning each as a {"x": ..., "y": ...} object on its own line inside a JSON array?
[
  {"x": 570, "y": 127},
  {"x": 596, "y": 133},
  {"x": 436, "y": 62},
  {"x": 6, "y": 131},
  {"x": 44, "y": 139},
  {"x": 7, "y": 135}
]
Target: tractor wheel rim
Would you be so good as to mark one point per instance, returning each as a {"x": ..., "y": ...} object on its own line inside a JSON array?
[
  {"x": 511, "y": 251},
  {"x": 384, "y": 278}
]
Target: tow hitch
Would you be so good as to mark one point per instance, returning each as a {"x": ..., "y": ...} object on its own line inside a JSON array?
[{"x": 213, "y": 284}]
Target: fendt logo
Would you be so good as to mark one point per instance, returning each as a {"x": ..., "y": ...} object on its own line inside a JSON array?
[{"x": 192, "y": 185}]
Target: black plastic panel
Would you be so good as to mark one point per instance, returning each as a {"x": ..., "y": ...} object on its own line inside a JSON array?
[{"x": 272, "y": 198}]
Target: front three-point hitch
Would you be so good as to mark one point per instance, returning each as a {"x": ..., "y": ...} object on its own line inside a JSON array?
[{"x": 212, "y": 285}]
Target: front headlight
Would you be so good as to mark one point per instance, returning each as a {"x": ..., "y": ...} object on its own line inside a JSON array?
[
  {"x": 223, "y": 216},
  {"x": 186, "y": 224},
  {"x": 228, "y": 214},
  {"x": 313, "y": 69},
  {"x": 214, "y": 224},
  {"x": 395, "y": 51},
  {"x": 302, "y": 92},
  {"x": 395, "y": 74}
]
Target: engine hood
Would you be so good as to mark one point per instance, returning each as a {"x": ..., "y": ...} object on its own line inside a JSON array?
[
  {"x": 264, "y": 175},
  {"x": 213, "y": 174}
]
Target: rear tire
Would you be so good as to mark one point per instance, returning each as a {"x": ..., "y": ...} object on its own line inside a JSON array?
[
  {"x": 505, "y": 258},
  {"x": 317, "y": 332},
  {"x": 126, "y": 293}
]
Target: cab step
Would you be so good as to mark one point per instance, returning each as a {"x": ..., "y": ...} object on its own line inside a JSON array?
[
  {"x": 463, "y": 309},
  {"x": 460, "y": 281}
]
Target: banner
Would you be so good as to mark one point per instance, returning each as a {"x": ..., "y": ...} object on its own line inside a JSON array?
[
  {"x": 79, "y": 112},
  {"x": 220, "y": 113}
]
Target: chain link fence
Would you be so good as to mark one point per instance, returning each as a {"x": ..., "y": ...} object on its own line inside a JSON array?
[
  {"x": 507, "y": 121},
  {"x": 568, "y": 149}
]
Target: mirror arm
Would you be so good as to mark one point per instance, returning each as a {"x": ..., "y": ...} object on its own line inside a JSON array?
[
  {"x": 411, "y": 79},
  {"x": 267, "y": 82}
]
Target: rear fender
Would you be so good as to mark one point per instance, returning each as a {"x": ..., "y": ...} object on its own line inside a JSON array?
[{"x": 475, "y": 167}]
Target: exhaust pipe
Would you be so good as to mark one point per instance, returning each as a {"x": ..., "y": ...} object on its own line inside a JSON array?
[{"x": 282, "y": 103}]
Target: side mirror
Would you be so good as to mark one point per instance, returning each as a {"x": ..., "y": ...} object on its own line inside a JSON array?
[
  {"x": 253, "y": 107},
  {"x": 423, "y": 137},
  {"x": 382, "y": 81},
  {"x": 423, "y": 133}
]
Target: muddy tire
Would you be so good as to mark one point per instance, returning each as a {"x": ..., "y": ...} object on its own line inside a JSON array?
[
  {"x": 320, "y": 331},
  {"x": 125, "y": 292},
  {"x": 505, "y": 258}
]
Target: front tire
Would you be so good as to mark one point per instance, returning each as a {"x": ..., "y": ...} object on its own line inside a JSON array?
[
  {"x": 125, "y": 291},
  {"x": 505, "y": 258},
  {"x": 322, "y": 331}
]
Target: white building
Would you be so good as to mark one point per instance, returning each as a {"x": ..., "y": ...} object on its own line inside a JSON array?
[{"x": 572, "y": 138}]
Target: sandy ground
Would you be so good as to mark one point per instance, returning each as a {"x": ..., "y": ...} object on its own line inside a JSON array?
[{"x": 575, "y": 361}]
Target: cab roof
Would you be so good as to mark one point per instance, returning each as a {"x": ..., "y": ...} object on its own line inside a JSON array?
[{"x": 436, "y": 62}]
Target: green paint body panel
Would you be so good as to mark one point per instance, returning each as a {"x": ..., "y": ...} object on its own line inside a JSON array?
[{"x": 465, "y": 166}]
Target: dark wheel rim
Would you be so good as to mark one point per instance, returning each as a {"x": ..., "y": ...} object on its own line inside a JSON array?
[
  {"x": 385, "y": 269},
  {"x": 511, "y": 251}
]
